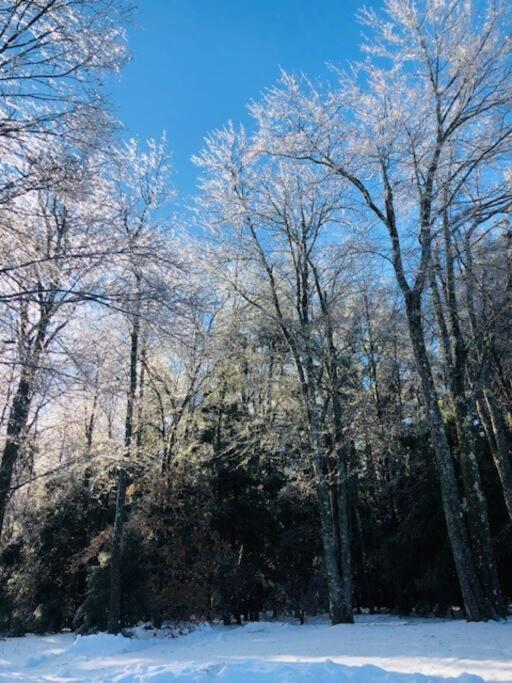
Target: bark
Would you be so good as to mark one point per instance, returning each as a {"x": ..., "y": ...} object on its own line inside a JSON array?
[
  {"x": 365, "y": 564},
  {"x": 454, "y": 354},
  {"x": 114, "y": 610},
  {"x": 16, "y": 427},
  {"x": 337, "y": 607},
  {"x": 114, "y": 613},
  {"x": 334, "y": 525},
  {"x": 341, "y": 508},
  {"x": 495, "y": 427},
  {"x": 345, "y": 537},
  {"x": 472, "y": 594},
  {"x": 471, "y": 591},
  {"x": 500, "y": 444},
  {"x": 479, "y": 526},
  {"x": 478, "y": 519},
  {"x": 18, "y": 417},
  {"x": 334, "y": 530},
  {"x": 340, "y": 609}
]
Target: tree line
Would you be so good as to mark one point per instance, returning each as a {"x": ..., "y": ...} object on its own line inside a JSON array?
[{"x": 294, "y": 396}]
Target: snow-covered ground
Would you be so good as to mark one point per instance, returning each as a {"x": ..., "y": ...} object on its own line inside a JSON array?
[{"x": 377, "y": 649}]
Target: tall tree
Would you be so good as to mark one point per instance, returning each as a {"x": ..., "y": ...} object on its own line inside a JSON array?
[
  {"x": 408, "y": 139},
  {"x": 53, "y": 57},
  {"x": 273, "y": 219},
  {"x": 47, "y": 276},
  {"x": 141, "y": 189}
]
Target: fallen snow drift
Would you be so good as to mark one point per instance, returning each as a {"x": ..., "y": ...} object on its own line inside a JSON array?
[{"x": 375, "y": 650}]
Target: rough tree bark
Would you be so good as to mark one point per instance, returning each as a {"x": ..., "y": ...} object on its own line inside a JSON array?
[
  {"x": 114, "y": 612},
  {"x": 16, "y": 427},
  {"x": 337, "y": 601},
  {"x": 473, "y": 598},
  {"x": 18, "y": 416},
  {"x": 471, "y": 590},
  {"x": 495, "y": 427},
  {"x": 454, "y": 357},
  {"x": 334, "y": 527},
  {"x": 340, "y": 506},
  {"x": 500, "y": 443}
]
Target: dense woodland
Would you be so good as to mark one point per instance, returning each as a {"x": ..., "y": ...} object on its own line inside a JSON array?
[{"x": 294, "y": 396}]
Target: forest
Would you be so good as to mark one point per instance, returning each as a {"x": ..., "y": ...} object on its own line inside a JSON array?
[{"x": 291, "y": 397}]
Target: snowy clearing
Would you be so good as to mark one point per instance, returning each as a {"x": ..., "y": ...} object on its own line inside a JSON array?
[{"x": 376, "y": 650}]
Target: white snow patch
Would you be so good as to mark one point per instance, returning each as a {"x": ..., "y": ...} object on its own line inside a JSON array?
[
  {"x": 377, "y": 649},
  {"x": 266, "y": 626},
  {"x": 105, "y": 644}
]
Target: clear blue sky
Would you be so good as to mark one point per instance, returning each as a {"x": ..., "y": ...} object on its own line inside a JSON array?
[{"x": 196, "y": 63}]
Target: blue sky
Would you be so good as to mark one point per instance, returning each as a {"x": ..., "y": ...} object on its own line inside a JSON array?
[{"x": 196, "y": 63}]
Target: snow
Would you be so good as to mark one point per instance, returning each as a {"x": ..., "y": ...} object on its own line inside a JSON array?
[{"x": 377, "y": 649}]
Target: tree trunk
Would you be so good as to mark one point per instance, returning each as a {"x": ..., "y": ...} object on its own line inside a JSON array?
[
  {"x": 337, "y": 605},
  {"x": 341, "y": 502},
  {"x": 114, "y": 610},
  {"x": 455, "y": 357},
  {"x": 472, "y": 595},
  {"x": 499, "y": 441},
  {"x": 477, "y": 515},
  {"x": 345, "y": 537},
  {"x": 333, "y": 537},
  {"x": 114, "y": 614},
  {"x": 494, "y": 424},
  {"x": 18, "y": 417},
  {"x": 16, "y": 427},
  {"x": 342, "y": 511}
]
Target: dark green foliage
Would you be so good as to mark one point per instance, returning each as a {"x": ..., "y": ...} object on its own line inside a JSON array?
[
  {"x": 92, "y": 614},
  {"x": 39, "y": 585},
  {"x": 403, "y": 560},
  {"x": 230, "y": 529}
]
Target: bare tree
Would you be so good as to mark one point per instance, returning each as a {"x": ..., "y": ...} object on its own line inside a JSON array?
[
  {"x": 42, "y": 286},
  {"x": 272, "y": 220},
  {"x": 409, "y": 137},
  {"x": 53, "y": 56},
  {"x": 141, "y": 289}
]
